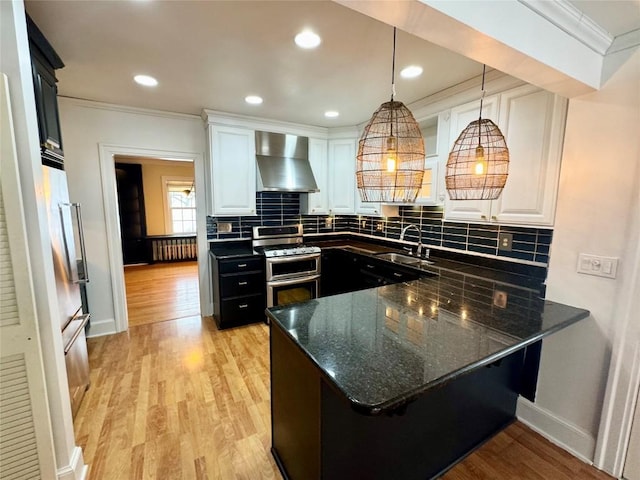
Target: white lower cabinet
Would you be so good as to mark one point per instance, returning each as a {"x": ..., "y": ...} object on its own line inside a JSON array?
[
  {"x": 342, "y": 174},
  {"x": 532, "y": 121},
  {"x": 233, "y": 170}
]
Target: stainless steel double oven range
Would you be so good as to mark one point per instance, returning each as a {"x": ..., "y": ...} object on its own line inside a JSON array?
[{"x": 292, "y": 269}]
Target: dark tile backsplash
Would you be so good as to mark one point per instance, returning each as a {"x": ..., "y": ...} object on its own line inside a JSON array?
[{"x": 531, "y": 244}]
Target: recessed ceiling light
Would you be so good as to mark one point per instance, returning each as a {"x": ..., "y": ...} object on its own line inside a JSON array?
[
  {"x": 145, "y": 80},
  {"x": 331, "y": 114},
  {"x": 253, "y": 99},
  {"x": 307, "y": 39},
  {"x": 411, "y": 71}
]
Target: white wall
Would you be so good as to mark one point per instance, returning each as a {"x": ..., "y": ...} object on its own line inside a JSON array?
[
  {"x": 85, "y": 126},
  {"x": 600, "y": 172},
  {"x": 154, "y": 202}
]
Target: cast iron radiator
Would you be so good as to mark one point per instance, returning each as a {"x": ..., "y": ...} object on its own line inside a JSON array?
[{"x": 171, "y": 249}]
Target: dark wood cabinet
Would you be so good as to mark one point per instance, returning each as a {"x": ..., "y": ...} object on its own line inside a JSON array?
[
  {"x": 44, "y": 62},
  {"x": 339, "y": 272},
  {"x": 239, "y": 290},
  {"x": 344, "y": 271},
  {"x": 133, "y": 223},
  {"x": 375, "y": 273}
]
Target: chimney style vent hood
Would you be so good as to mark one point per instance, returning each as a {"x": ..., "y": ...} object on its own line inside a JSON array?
[{"x": 283, "y": 163}]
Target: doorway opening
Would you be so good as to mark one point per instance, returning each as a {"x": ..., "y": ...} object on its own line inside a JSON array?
[{"x": 157, "y": 212}]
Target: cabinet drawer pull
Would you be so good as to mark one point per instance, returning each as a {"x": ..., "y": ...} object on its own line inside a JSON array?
[
  {"x": 484, "y": 217},
  {"x": 493, "y": 217},
  {"x": 244, "y": 305},
  {"x": 240, "y": 284},
  {"x": 396, "y": 274},
  {"x": 242, "y": 265}
]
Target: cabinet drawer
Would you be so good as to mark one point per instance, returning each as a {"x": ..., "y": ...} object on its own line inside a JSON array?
[
  {"x": 393, "y": 275},
  {"x": 242, "y": 284},
  {"x": 237, "y": 265},
  {"x": 241, "y": 310},
  {"x": 388, "y": 273}
]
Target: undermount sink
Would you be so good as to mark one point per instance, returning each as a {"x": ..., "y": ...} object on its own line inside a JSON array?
[{"x": 404, "y": 259}]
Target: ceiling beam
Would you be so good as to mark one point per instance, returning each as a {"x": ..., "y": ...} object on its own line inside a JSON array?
[{"x": 506, "y": 35}]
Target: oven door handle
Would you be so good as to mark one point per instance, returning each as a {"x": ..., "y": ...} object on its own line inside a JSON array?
[
  {"x": 292, "y": 281},
  {"x": 293, "y": 258}
]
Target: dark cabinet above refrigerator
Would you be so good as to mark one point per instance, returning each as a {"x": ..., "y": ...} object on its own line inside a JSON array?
[{"x": 44, "y": 62}]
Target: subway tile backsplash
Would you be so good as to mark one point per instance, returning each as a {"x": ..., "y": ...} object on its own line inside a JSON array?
[{"x": 530, "y": 244}]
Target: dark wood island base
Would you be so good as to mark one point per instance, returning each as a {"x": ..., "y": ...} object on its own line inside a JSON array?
[{"x": 317, "y": 434}]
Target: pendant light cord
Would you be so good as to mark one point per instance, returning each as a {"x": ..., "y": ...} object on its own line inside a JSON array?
[
  {"x": 393, "y": 67},
  {"x": 484, "y": 68},
  {"x": 393, "y": 77}
]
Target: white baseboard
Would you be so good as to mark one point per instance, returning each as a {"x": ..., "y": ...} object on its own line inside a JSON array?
[
  {"x": 101, "y": 327},
  {"x": 76, "y": 470},
  {"x": 557, "y": 430}
]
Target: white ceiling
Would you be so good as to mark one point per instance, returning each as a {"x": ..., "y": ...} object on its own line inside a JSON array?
[{"x": 211, "y": 54}]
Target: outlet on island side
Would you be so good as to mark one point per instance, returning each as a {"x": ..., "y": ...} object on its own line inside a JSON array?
[{"x": 504, "y": 241}]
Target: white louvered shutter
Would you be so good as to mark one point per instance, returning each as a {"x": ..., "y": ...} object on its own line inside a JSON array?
[{"x": 26, "y": 445}]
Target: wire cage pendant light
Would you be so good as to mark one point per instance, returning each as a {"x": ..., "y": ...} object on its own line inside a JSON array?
[
  {"x": 390, "y": 159},
  {"x": 478, "y": 164}
]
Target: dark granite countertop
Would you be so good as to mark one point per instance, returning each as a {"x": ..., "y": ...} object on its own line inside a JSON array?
[
  {"x": 224, "y": 250},
  {"x": 384, "y": 347}
]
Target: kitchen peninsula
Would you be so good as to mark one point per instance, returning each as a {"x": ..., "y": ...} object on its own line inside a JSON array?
[{"x": 403, "y": 380}]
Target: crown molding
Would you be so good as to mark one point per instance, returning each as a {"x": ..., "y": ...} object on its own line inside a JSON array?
[
  {"x": 623, "y": 42},
  {"x": 214, "y": 117},
  {"x": 126, "y": 109},
  {"x": 573, "y": 22}
]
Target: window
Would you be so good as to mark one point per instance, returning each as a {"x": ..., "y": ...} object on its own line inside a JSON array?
[{"x": 181, "y": 200}]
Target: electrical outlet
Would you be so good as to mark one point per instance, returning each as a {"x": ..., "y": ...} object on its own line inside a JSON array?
[
  {"x": 363, "y": 223},
  {"x": 380, "y": 226},
  {"x": 597, "y": 265},
  {"x": 224, "y": 227},
  {"x": 328, "y": 222},
  {"x": 504, "y": 241}
]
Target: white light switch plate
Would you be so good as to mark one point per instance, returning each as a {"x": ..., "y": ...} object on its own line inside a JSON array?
[{"x": 597, "y": 265}]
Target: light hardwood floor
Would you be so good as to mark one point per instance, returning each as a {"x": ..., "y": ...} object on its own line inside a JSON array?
[
  {"x": 162, "y": 291},
  {"x": 183, "y": 400}
]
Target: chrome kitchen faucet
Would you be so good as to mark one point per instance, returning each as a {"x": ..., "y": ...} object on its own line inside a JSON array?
[{"x": 419, "y": 249}]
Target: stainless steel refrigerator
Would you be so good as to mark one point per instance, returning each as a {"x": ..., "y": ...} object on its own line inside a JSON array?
[{"x": 67, "y": 247}]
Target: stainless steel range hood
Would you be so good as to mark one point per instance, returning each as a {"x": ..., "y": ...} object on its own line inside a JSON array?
[{"x": 283, "y": 163}]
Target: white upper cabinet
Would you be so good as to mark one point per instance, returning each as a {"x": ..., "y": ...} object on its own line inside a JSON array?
[
  {"x": 342, "y": 174},
  {"x": 317, "y": 203},
  {"x": 461, "y": 116},
  {"x": 532, "y": 121},
  {"x": 233, "y": 170},
  {"x": 435, "y": 131}
]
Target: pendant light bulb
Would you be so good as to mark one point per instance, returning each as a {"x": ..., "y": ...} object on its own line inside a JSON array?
[
  {"x": 481, "y": 164},
  {"x": 391, "y": 154}
]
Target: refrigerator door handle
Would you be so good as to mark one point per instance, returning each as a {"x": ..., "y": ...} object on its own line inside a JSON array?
[
  {"x": 84, "y": 320},
  {"x": 69, "y": 254},
  {"x": 83, "y": 253}
]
